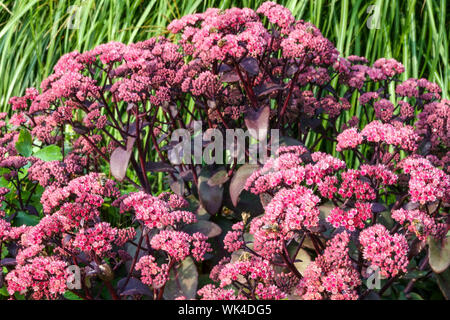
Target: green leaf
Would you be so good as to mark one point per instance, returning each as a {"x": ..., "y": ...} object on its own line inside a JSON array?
[
  {"x": 24, "y": 143},
  {"x": 4, "y": 252},
  {"x": 71, "y": 296},
  {"x": 414, "y": 274},
  {"x": 439, "y": 254},
  {"x": 49, "y": 153},
  {"x": 19, "y": 296},
  {"x": 415, "y": 296},
  {"x": 4, "y": 292},
  {"x": 25, "y": 219}
]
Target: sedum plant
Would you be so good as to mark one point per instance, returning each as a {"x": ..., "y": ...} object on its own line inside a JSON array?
[{"x": 339, "y": 201}]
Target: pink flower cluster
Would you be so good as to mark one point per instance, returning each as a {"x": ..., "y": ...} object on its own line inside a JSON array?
[
  {"x": 418, "y": 88},
  {"x": 290, "y": 210},
  {"x": 331, "y": 275},
  {"x": 210, "y": 292},
  {"x": 152, "y": 274},
  {"x": 97, "y": 240},
  {"x": 46, "y": 277},
  {"x": 287, "y": 170},
  {"x": 233, "y": 240},
  {"x": 349, "y": 139},
  {"x": 352, "y": 218},
  {"x": 387, "y": 252},
  {"x": 307, "y": 43},
  {"x": 385, "y": 68},
  {"x": 276, "y": 14},
  {"x": 177, "y": 244},
  {"x": 254, "y": 268},
  {"x": 419, "y": 223},
  {"x": 354, "y": 185},
  {"x": 426, "y": 183},
  {"x": 434, "y": 123},
  {"x": 397, "y": 135},
  {"x": 215, "y": 34},
  {"x": 154, "y": 211}
]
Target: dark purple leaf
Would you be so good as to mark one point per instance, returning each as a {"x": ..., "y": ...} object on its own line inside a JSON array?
[
  {"x": 411, "y": 206},
  {"x": 230, "y": 76},
  {"x": 8, "y": 262},
  {"x": 239, "y": 179},
  {"x": 330, "y": 89},
  {"x": 378, "y": 207},
  {"x": 13, "y": 248},
  {"x": 131, "y": 129},
  {"x": 159, "y": 167},
  {"x": 443, "y": 281},
  {"x": 312, "y": 123},
  {"x": 372, "y": 295},
  {"x": 348, "y": 94},
  {"x": 177, "y": 186},
  {"x": 265, "y": 198},
  {"x": 170, "y": 146},
  {"x": 134, "y": 287},
  {"x": 219, "y": 178},
  {"x": 257, "y": 122},
  {"x": 172, "y": 109},
  {"x": 79, "y": 128},
  {"x": 130, "y": 107},
  {"x": 433, "y": 206},
  {"x": 182, "y": 283},
  {"x": 161, "y": 138},
  {"x": 439, "y": 253},
  {"x": 424, "y": 147},
  {"x": 291, "y": 70},
  {"x": 208, "y": 228},
  {"x": 66, "y": 239},
  {"x": 266, "y": 88},
  {"x": 187, "y": 175},
  {"x": 250, "y": 65},
  {"x": 224, "y": 68},
  {"x": 212, "y": 104},
  {"x": 87, "y": 103},
  {"x": 32, "y": 210},
  {"x": 417, "y": 246},
  {"x": 130, "y": 143},
  {"x": 210, "y": 196}
]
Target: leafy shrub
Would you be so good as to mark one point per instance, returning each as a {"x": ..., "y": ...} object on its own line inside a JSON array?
[{"x": 341, "y": 197}]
